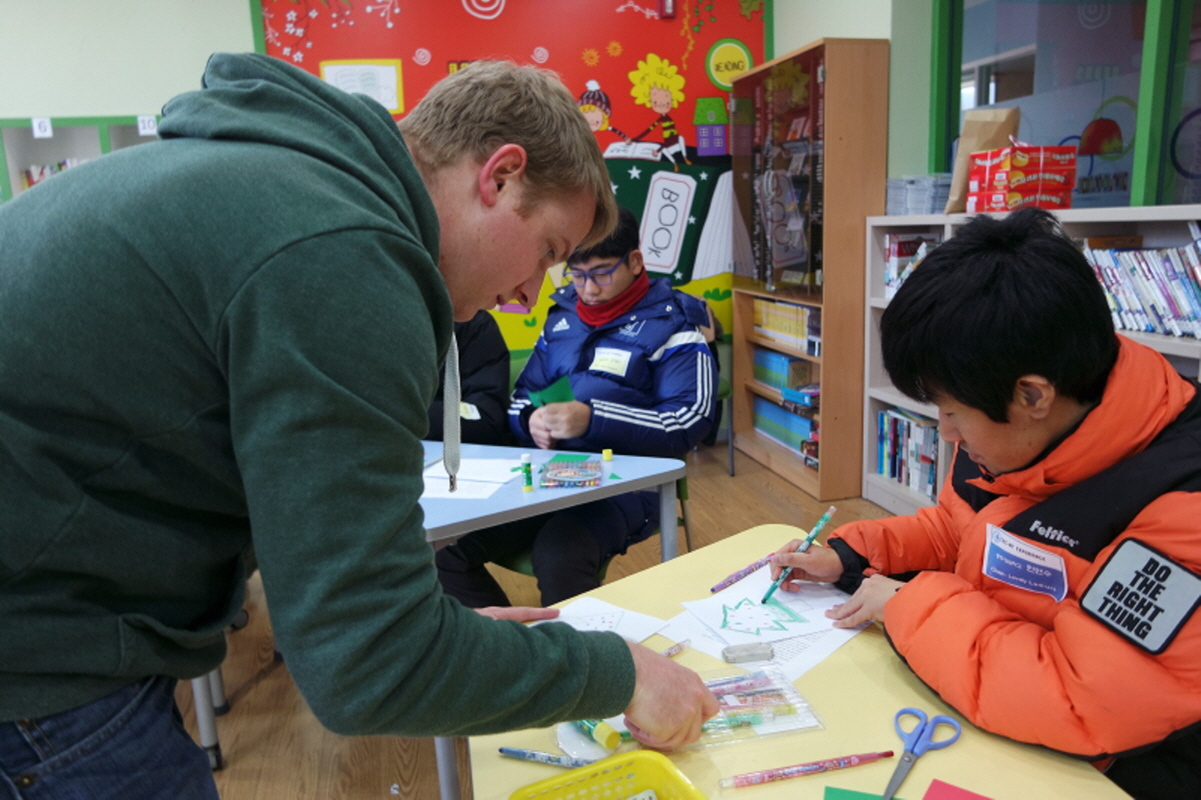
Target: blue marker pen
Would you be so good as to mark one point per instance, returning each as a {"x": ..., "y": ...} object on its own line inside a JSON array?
[{"x": 544, "y": 758}]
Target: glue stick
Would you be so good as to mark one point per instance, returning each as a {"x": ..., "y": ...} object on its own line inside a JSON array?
[
  {"x": 527, "y": 474},
  {"x": 601, "y": 732}
]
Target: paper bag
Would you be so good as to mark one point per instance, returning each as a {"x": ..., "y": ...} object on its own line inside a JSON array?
[{"x": 983, "y": 129}]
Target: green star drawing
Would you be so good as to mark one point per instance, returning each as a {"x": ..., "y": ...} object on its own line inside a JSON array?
[{"x": 754, "y": 618}]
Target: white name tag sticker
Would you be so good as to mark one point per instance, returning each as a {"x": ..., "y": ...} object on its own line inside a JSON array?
[
  {"x": 1015, "y": 561},
  {"x": 611, "y": 360},
  {"x": 469, "y": 411},
  {"x": 1143, "y": 595}
]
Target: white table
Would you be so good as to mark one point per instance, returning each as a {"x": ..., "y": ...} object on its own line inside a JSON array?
[{"x": 449, "y": 518}]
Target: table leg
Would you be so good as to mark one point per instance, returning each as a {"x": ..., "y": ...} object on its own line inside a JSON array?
[
  {"x": 669, "y": 542},
  {"x": 448, "y": 767}
]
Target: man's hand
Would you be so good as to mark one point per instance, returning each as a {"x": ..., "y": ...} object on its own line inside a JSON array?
[
  {"x": 669, "y": 704},
  {"x": 518, "y": 613},
  {"x": 568, "y": 420},
  {"x": 867, "y": 604},
  {"x": 539, "y": 430},
  {"x": 820, "y": 564}
]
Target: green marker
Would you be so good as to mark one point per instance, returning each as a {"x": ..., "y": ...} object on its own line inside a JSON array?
[{"x": 813, "y": 532}]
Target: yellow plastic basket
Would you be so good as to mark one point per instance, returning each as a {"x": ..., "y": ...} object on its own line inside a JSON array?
[{"x": 615, "y": 778}]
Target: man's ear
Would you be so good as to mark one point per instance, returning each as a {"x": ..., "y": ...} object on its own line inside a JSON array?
[
  {"x": 1035, "y": 395},
  {"x": 635, "y": 261},
  {"x": 506, "y": 164}
]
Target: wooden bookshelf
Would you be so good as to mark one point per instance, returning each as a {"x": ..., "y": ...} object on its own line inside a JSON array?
[
  {"x": 1159, "y": 226},
  {"x": 850, "y": 139}
]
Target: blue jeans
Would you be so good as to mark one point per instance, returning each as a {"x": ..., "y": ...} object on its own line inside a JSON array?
[{"x": 128, "y": 745}]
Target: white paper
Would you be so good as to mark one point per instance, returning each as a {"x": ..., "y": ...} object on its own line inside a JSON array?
[
  {"x": 491, "y": 470},
  {"x": 590, "y": 614},
  {"x": 438, "y": 486}
]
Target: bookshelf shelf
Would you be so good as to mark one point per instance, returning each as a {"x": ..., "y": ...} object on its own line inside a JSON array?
[
  {"x": 781, "y": 347},
  {"x": 74, "y": 139},
  {"x": 812, "y": 159},
  {"x": 1159, "y": 227}
]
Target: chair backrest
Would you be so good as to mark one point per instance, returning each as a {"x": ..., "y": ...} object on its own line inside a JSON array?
[{"x": 517, "y": 359}]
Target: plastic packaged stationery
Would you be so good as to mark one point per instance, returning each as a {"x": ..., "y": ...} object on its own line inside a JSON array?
[
  {"x": 752, "y": 704},
  {"x": 561, "y": 474}
]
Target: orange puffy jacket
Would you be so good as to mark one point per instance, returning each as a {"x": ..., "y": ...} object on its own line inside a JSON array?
[{"x": 1079, "y": 674}]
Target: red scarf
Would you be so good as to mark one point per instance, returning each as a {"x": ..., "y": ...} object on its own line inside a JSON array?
[{"x": 610, "y": 310}]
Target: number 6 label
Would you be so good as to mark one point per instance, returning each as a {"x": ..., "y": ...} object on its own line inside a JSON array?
[{"x": 42, "y": 129}]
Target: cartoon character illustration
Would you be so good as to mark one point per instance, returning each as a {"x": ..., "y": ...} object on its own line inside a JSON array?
[
  {"x": 598, "y": 109},
  {"x": 658, "y": 85}
]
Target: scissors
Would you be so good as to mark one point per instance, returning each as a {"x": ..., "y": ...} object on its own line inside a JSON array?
[{"x": 918, "y": 741}]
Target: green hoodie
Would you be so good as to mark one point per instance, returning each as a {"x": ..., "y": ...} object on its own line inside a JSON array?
[{"x": 231, "y": 337}]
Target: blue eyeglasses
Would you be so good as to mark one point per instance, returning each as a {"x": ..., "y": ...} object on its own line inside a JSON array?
[{"x": 601, "y": 276}]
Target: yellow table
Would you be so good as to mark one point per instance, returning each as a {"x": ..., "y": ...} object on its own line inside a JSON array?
[{"x": 856, "y": 692}]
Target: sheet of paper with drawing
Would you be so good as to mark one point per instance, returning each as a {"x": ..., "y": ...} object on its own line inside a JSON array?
[
  {"x": 590, "y": 614},
  {"x": 795, "y": 652},
  {"x": 737, "y": 615}
]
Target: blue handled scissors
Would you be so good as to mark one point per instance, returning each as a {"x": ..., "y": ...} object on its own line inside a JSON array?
[{"x": 918, "y": 741}]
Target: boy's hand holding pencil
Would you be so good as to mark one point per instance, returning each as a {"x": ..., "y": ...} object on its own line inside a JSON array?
[{"x": 798, "y": 561}]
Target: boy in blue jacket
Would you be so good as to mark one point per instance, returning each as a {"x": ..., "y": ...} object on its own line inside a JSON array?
[{"x": 644, "y": 383}]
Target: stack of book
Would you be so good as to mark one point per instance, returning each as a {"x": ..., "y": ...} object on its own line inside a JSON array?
[
  {"x": 797, "y": 326},
  {"x": 794, "y": 431},
  {"x": 907, "y": 450},
  {"x": 905, "y": 251},
  {"x": 918, "y": 194},
  {"x": 780, "y": 371},
  {"x": 1154, "y": 291}
]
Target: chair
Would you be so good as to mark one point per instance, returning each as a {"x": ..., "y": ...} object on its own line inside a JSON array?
[
  {"x": 208, "y": 699},
  {"x": 724, "y": 392},
  {"x": 210, "y": 702},
  {"x": 719, "y": 345},
  {"x": 523, "y": 562}
]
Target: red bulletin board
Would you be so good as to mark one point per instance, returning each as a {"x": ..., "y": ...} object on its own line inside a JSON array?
[{"x": 634, "y": 70}]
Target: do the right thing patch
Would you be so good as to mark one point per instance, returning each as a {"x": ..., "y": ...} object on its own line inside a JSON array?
[{"x": 1143, "y": 596}]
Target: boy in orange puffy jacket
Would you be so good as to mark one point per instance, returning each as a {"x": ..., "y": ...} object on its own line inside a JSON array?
[{"x": 1058, "y": 575}]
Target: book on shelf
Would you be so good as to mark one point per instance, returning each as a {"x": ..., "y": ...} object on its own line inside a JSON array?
[
  {"x": 902, "y": 250},
  {"x": 34, "y": 174},
  {"x": 781, "y": 371},
  {"x": 1151, "y": 290},
  {"x": 907, "y": 450},
  {"x": 797, "y": 326},
  {"x": 807, "y": 398}
]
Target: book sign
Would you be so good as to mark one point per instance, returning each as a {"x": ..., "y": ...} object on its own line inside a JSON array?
[{"x": 665, "y": 220}]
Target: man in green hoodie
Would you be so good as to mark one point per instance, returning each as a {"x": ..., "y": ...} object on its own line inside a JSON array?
[{"x": 229, "y": 338}]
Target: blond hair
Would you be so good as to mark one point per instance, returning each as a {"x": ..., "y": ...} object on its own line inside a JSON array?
[
  {"x": 491, "y": 103},
  {"x": 656, "y": 73}
]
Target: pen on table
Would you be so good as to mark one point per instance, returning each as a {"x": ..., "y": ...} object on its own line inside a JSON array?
[
  {"x": 544, "y": 758},
  {"x": 798, "y": 770},
  {"x": 742, "y": 573},
  {"x": 813, "y": 532},
  {"x": 676, "y": 648}
]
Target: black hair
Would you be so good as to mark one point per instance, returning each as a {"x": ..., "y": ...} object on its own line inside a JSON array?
[
  {"x": 1001, "y": 299},
  {"x": 622, "y": 240}
]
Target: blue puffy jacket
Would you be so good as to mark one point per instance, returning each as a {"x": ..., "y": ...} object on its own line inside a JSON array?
[{"x": 649, "y": 375}]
